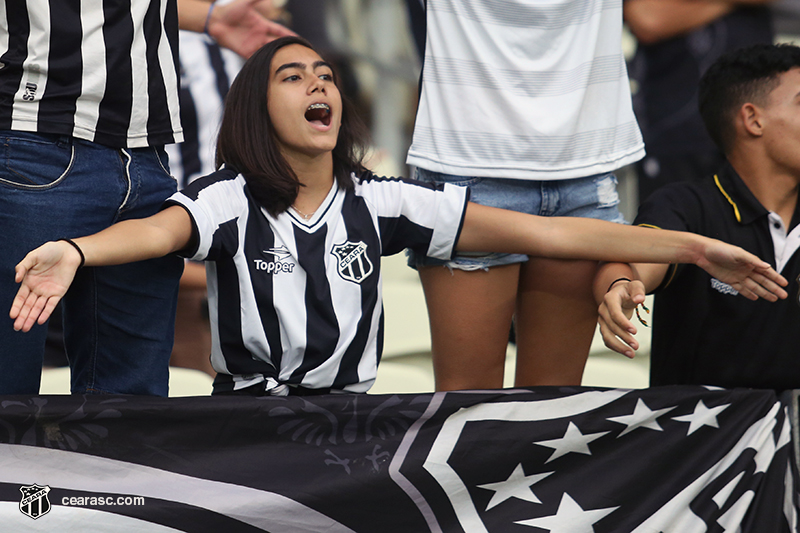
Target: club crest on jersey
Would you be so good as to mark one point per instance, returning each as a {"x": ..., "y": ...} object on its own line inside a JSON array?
[
  {"x": 352, "y": 261},
  {"x": 34, "y": 502}
]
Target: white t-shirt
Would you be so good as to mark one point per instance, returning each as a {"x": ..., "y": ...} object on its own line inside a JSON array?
[{"x": 525, "y": 89}]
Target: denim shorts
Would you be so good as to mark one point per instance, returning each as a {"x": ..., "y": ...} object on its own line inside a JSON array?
[{"x": 590, "y": 197}]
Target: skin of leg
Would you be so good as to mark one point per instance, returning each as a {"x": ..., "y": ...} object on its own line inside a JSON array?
[
  {"x": 470, "y": 317},
  {"x": 555, "y": 321}
]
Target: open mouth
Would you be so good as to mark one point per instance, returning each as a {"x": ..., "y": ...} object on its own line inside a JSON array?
[{"x": 319, "y": 114}]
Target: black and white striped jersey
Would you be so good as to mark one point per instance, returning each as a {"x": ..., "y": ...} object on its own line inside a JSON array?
[
  {"x": 100, "y": 70},
  {"x": 207, "y": 70},
  {"x": 299, "y": 302}
]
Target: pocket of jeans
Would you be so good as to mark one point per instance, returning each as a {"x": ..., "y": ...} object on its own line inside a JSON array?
[
  {"x": 34, "y": 162},
  {"x": 163, "y": 161}
]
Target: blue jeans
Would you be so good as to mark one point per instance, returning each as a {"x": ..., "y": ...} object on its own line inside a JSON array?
[
  {"x": 590, "y": 197},
  {"x": 119, "y": 321}
]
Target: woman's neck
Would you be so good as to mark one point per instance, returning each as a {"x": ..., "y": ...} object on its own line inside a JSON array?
[{"x": 316, "y": 178}]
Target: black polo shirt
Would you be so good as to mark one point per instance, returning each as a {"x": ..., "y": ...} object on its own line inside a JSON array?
[{"x": 703, "y": 331}]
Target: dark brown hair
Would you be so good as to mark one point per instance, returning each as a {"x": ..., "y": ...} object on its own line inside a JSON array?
[
  {"x": 738, "y": 77},
  {"x": 247, "y": 142}
]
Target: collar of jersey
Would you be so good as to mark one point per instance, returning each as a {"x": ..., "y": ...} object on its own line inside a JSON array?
[{"x": 320, "y": 215}]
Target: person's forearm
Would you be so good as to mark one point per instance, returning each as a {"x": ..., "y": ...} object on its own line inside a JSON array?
[
  {"x": 192, "y": 14},
  {"x": 651, "y": 21},
  {"x": 607, "y": 274},
  {"x": 239, "y": 25},
  {"x": 136, "y": 240},
  {"x": 498, "y": 230},
  {"x": 650, "y": 274}
]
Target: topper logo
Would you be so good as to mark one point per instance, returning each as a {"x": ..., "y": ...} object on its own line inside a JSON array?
[
  {"x": 281, "y": 261},
  {"x": 273, "y": 267}
]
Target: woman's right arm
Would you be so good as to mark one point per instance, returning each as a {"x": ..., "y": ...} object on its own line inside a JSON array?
[
  {"x": 497, "y": 230},
  {"x": 46, "y": 273}
]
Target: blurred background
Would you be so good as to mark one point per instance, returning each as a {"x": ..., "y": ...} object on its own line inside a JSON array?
[{"x": 376, "y": 47}]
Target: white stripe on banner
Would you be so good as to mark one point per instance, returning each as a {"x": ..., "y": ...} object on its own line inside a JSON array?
[
  {"x": 437, "y": 460},
  {"x": 74, "y": 471}
]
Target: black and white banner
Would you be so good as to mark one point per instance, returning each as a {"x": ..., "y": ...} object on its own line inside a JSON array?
[{"x": 554, "y": 460}]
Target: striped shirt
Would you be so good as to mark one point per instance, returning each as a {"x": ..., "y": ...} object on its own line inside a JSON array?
[
  {"x": 101, "y": 70},
  {"x": 299, "y": 302},
  {"x": 207, "y": 71},
  {"x": 524, "y": 89}
]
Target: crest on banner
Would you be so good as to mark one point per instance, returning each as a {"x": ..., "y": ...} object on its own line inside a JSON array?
[{"x": 34, "y": 502}]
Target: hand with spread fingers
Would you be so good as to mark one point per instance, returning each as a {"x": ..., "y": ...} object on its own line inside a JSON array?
[
  {"x": 44, "y": 275},
  {"x": 750, "y": 276}
]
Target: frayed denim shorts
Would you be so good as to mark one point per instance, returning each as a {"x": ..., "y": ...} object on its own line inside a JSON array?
[{"x": 590, "y": 197}]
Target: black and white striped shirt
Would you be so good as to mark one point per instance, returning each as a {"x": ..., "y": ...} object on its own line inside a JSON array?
[
  {"x": 100, "y": 70},
  {"x": 299, "y": 302},
  {"x": 207, "y": 71}
]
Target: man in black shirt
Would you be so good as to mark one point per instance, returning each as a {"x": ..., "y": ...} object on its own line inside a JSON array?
[{"x": 703, "y": 332}]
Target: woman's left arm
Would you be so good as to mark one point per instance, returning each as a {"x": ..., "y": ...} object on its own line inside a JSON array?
[{"x": 497, "y": 230}]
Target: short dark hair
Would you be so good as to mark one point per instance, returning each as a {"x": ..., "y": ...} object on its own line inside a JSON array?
[
  {"x": 247, "y": 142},
  {"x": 744, "y": 75}
]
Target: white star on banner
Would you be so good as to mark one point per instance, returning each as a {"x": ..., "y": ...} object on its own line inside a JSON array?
[
  {"x": 570, "y": 518},
  {"x": 702, "y": 416},
  {"x": 572, "y": 441},
  {"x": 642, "y": 416},
  {"x": 518, "y": 485}
]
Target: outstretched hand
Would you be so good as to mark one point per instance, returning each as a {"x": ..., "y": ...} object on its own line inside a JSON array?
[
  {"x": 241, "y": 27},
  {"x": 750, "y": 276},
  {"x": 614, "y": 316},
  {"x": 44, "y": 275},
  {"x": 744, "y": 272}
]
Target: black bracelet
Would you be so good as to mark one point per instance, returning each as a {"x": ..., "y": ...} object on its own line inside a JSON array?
[
  {"x": 615, "y": 281},
  {"x": 83, "y": 257}
]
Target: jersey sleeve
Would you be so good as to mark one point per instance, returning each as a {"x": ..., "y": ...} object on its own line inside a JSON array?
[
  {"x": 676, "y": 207},
  {"x": 214, "y": 203},
  {"x": 416, "y": 215}
]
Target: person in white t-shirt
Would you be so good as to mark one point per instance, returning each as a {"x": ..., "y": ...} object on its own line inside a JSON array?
[{"x": 528, "y": 103}]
